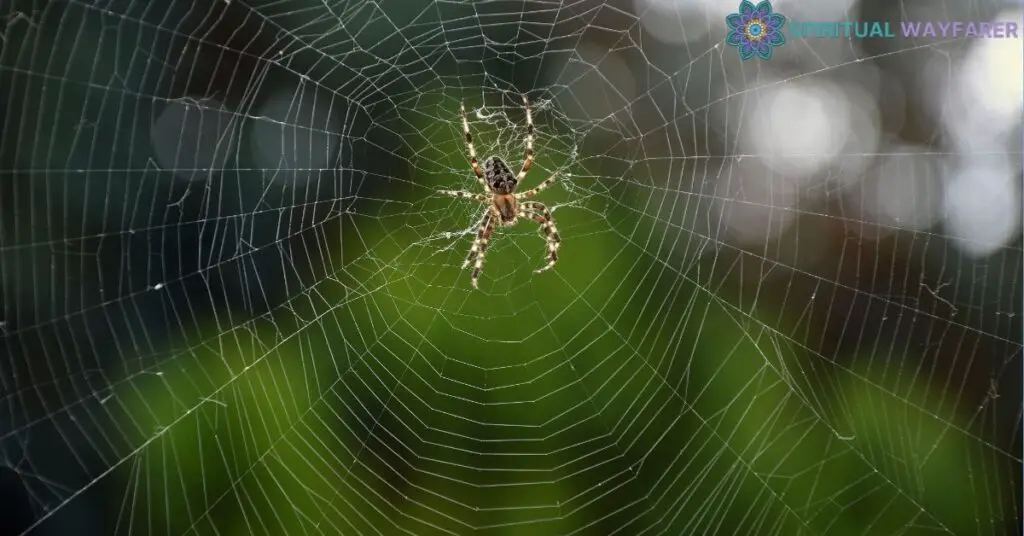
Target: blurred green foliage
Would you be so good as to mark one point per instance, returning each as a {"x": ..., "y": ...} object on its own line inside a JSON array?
[{"x": 611, "y": 394}]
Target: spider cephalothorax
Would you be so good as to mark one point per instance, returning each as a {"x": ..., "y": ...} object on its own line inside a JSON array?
[{"x": 504, "y": 204}]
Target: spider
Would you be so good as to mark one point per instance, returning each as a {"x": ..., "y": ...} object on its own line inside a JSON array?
[{"x": 504, "y": 204}]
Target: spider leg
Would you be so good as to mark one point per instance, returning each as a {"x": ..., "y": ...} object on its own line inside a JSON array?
[
  {"x": 540, "y": 214},
  {"x": 540, "y": 188},
  {"x": 481, "y": 198},
  {"x": 528, "y": 161},
  {"x": 479, "y": 249},
  {"x": 469, "y": 145}
]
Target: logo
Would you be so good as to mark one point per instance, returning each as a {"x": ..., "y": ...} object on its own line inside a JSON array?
[{"x": 755, "y": 30}]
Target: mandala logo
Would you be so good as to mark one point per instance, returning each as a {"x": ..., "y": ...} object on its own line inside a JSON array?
[{"x": 755, "y": 30}]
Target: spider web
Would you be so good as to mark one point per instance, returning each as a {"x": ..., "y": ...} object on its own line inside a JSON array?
[{"x": 786, "y": 301}]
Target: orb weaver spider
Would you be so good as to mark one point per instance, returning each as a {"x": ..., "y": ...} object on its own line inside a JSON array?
[{"x": 504, "y": 204}]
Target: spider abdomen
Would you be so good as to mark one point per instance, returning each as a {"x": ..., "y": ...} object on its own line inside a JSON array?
[{"x": 499, "y": 177}]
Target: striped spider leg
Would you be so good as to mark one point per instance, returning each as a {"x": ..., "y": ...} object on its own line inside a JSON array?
[
  {"x": 540, "y": 188},
  {"x": 479, "y": 248},
  {"x": 462, "y": 194},
  {"x": 528, "y": 159},
  {"x": 540, "y": 214},
  {"x": 469, "y": 146}
]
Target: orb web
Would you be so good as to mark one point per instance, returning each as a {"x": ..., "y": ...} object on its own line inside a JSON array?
[{"x": 786, "y": 301}]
